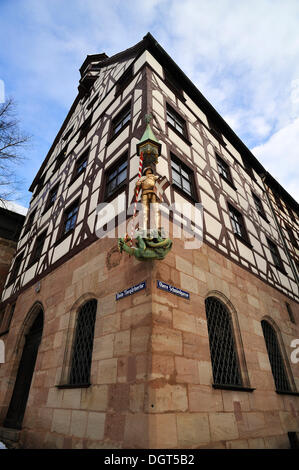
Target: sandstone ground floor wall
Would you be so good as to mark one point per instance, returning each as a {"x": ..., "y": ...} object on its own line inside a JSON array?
[{"x": 151, "y": 372}]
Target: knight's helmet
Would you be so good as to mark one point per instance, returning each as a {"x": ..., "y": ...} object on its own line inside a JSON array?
[{"x": 147, "y": 168}]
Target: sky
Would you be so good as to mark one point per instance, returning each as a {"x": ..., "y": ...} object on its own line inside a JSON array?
[{"x": 242, "y": 55}]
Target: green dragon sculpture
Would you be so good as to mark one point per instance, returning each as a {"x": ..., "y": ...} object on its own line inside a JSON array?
[{"x": 146, "y": 248}]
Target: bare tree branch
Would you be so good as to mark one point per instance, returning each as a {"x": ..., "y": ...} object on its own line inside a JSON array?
[{"x": 12, "y": 143}]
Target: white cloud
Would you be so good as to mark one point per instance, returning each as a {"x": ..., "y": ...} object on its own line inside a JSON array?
[
  {"x": 279, "y": 155},
  {"x": 243, "y": 56}
]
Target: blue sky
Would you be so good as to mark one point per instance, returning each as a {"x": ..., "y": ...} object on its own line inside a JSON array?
[{"x": 243, "y": 56}]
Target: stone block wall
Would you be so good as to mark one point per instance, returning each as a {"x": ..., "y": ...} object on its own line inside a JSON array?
[{"x": 151, "y": 370}]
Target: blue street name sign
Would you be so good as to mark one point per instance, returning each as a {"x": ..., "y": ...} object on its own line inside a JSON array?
[
  {"x": 130, "y": 290},
  {"x": 173, "y": 290}
]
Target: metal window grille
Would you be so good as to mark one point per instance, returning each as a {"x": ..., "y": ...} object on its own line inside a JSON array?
[
  {"x": 275, "y": 358},
  {"x": 226, "y": 370},
  {"x": 82, "y": 350}
]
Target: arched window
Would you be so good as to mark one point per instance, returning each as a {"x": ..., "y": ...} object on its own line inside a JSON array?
[
  {"x": 225, "y": 365},
  {"x": 83, "y": 344},
  {"x": 275, "y": 357}
]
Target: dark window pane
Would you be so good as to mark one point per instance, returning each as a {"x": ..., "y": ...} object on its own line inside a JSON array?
[
  {"x": 182, "y": 176},
  {"x": 186, "y": 186},
  {"x": 122, "y": 176},
  {"x": 121, "y": 119},
  {"x": 175, "y": 166},
  {"x": 176, "y": 178}
]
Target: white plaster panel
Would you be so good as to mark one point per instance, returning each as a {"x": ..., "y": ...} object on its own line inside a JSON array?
[
  {"x": 140, "y": 62},
  {"x": 158, "y": 108},
  {"x": 117, "y": 142},
  {"x": 257, "y": 245},
  {"x": 197, "y": 111},
  {"x": 164, "y": 88},
  {"x": 245, "y": 252},
  {"x": 158, "y": 96},
  {"x": 212, "y": 226},
  {"x": 29, "y": 274},
  {"x": 209, "y": 204},
  {"x": 62, "y": 248},
  {"x": 203, "y": 183},
  {"x": 178, "y": 142},
  {"x": 131, "y": 86}
]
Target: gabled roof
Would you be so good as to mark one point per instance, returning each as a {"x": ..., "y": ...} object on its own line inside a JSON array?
[{"x": 149, "y": 43}]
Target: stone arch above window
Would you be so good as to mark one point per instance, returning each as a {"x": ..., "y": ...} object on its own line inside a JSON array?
[{"x": 36, "y": 309}]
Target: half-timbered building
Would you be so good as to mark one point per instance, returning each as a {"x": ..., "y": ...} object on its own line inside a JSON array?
[{"x": 87, "y": 368}]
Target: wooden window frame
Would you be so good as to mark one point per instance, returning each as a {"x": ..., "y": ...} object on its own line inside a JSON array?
[
  {"x": 38, "y": 248},
  {"x": 123, "y": 119},
  {"x": 224, "y": 171},
  {"x": 276, "y": 258},
  {"x": 62, "y": 234},
  {"x": 238, "y": 225},
  {"x": 259, "y": 206},
  {"x": 123, "y": 184},
  {"x": 81, "y": 161},
  {"x": 191, "y": 177},
  {"x": 51, "y": 202},
  {"x": 178, "y": 120}
]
